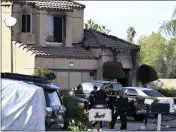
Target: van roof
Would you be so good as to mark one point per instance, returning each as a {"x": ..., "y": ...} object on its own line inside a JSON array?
[{"x": 99, "y": 81}]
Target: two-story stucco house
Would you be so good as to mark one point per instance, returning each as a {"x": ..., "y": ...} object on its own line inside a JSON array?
[{"x": 50, "y": 34}]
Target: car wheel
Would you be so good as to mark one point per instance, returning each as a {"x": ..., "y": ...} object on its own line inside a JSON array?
[{"x": 139, "y": 117}]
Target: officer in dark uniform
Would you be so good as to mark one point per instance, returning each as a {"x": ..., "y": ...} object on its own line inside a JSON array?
[
  {"x": 121, "y": 109},
  {"x": 112, "y": 98},
  {"x": 79, "y": 92},
  {"x": 101, "y": 98},
  {"x": 92, "y": 96}
]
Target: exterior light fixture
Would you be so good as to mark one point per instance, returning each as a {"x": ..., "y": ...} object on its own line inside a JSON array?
[
  {"x": 10, "y": 22},
  {"x": 71, "y": 64}
]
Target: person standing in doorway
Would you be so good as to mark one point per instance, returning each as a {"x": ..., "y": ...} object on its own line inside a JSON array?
[{"x": 121, "y": 109}]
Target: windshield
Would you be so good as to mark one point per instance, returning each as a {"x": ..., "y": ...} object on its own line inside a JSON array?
[
  {"x": 152, "y": 93},
  {"x": 52, "y": 98},
  {"x": 88, "y": 86}
]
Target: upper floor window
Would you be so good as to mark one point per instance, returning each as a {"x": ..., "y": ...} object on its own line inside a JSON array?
[
  {"x": 54, "y": 29},
  {"x": 26, "y": 23}
]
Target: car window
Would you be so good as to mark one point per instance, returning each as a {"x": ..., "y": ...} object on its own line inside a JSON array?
[
  {"x": 152, "y": 93},
  {"x": 117, "y": 86},
  {"x": 132, "y": 92},
  {"x": 52, "y": 98},
  {"x": 88, "y": 86}
]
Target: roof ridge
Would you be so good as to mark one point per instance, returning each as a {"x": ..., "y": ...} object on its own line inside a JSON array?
[
  {"x": 117, "y": 38},
  {"x": 93, "y": 31}
]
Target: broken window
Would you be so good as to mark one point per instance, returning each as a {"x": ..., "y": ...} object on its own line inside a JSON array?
[
  {"x": 54, "y": 29},
  {"x": 26, "y": 23}
]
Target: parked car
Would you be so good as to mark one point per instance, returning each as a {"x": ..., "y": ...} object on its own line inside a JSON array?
[
  {"x": 55, "y": 111},
  {"x": 137, "y": 107},
  {"x": 88, "y": 85}
]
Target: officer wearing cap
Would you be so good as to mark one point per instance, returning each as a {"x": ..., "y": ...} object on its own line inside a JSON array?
[
  {"x": 121, "y": 109},
  {"x": 112, "y": 98},
  {"x": 92, "y": 96}
]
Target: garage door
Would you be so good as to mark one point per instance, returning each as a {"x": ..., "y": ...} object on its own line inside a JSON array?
[
  {"x": 86, "y": 76},
  {"x": 75, "y": 79},
  {"x": 71, "y": 79},
  {"x": 62, "y": 79}
]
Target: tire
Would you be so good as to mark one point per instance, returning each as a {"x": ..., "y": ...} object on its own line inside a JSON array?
[{"x": 139, "y": 117}]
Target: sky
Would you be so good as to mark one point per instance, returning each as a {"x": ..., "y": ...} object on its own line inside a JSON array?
[{"x": 145, "y": 16}]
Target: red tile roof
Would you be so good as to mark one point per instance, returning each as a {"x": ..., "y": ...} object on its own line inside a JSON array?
[
  {"x": 92, "y": 39},
  {"x": 60, "y": 52},
  {"x": 67, "y": 5},
  {"x": 95, "y": 39}
]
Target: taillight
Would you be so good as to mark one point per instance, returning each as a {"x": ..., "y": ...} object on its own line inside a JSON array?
[
  {"x": 136, "y": 101},
  {"x": 85, "y": 110},
  {"x": 48, "y": 112},
  {"x": 156, "y": 100}
]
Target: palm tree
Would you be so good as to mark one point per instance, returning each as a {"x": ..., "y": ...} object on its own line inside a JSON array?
[
  {"x": 91, "y": 25},
  {"x": 169, "y": 27},
  {"x": 130, "y": 34}
]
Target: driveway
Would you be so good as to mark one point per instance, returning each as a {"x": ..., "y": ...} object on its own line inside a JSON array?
[{"x": 168, "y": 124}]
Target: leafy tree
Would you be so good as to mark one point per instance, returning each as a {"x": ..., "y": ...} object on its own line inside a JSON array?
[
  {"x": 152, "y": 50},
  {"x": 169, "y": 27},
  {"x": 91, "y": 25},
  {"x": 170, "y": 63},
  {"x": 45, "y": 72},
  {"x": 171, "y": 67},
  {"x": 77, "y": 120},
  {"x": 131, "y": 34},
  {"x": 146, "y": 74}
]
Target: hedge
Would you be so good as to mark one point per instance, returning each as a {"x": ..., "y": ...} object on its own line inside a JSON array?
[{"x": 167, "y": 92}]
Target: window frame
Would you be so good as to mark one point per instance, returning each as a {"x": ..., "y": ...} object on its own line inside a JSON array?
[
  {"x": 63, "y": 28},
  {"x": 30, "y": 22}
]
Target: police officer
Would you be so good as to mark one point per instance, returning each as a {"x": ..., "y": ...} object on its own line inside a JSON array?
[
  {"x": 101, "y": 98},
  {"x": 112, "y": 98},
  {"x": 79, "y": 91},
  {"x": 92, "y": 96},
  {"x": 121, "y": 109}
]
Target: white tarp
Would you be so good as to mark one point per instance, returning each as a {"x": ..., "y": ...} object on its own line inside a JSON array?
[{"x": 23, "y": 106}]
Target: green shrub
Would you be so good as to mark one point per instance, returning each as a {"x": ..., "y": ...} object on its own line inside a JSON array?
[
  {"x": 146, "y": 74},
  {"x": 167, "y": 92},
  {"x": 45, "y": 72},
  {"x": 77, "y": 120}
]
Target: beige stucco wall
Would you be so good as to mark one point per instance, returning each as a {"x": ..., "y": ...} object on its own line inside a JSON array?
[
  {"x": 6, "y": 39},
  {"x": 78, "y": 26},
  {"x": 74, "y": 25},
  {"x": 163, "y": 83},
  {"x": 24, "y": 60},
  {"x": 107, "y": 55},
  {"x": 169, "y": 83},
  {"x": 59, "y": 63},
  {"x": 68, "y": 78}
]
